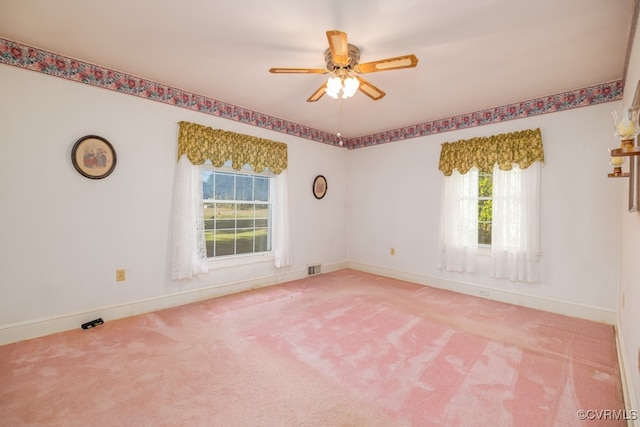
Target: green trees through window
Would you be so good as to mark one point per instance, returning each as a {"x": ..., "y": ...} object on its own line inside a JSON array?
[{"x": 485, "y": 207}]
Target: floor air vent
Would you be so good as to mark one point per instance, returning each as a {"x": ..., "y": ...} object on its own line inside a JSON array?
[{"x": 313, "y": 269}]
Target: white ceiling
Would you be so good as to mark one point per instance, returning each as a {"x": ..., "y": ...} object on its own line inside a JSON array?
[{"x": 473, "y": 54}]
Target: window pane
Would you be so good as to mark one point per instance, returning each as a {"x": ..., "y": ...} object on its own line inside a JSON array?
[
  {"x": 261, "y": 189},
  {"x": 485, "y": 210},
  {"x": 262, "y": 211},
  {"x": 209, "y": 240},
  {"x": 244, "y": 241},
  {"x": 244, "y": 187},
  {"x": 485, "y": 185},
  {"x": 224, "y": 186},
  {"x": 207, "y": 184},
  {"x": 262, "y": 240},
  {"x": 484, "y": 221},
  {"x": 225, "y": 242},
  {"x": 225, "y": 216},
  {"x": 245, "y": 212},
  {"x": 484, "y": 233},
  {"x": 209, "y": 215}
]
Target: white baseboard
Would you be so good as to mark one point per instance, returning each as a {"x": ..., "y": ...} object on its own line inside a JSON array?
[
  {"x": 41, "y": 327},
  {"x": 630, "y": 401},
  {"x": 554, "y": 306}
]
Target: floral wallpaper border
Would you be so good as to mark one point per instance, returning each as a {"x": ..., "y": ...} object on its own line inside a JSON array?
[{"x": 30, "y": 58}]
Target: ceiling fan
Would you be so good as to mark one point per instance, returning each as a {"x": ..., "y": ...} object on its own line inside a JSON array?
[{"x": 342, "y": 60}]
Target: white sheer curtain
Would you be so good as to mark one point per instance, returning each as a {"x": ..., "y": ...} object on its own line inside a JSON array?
[
  {"x": 282, "y": 251},
  {"x": 458, "y": 241},
  {"x": 516, "y": 218},
  {"x": 189, "y": 255}
]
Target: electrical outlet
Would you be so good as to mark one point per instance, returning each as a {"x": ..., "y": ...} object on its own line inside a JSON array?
[
  {"x": 121, "y": 275},
  {"x": 483, "y": 292},
  {"x": 392, "y": 251}
]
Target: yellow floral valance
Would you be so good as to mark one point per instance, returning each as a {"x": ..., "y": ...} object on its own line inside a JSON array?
[
  {"x": 522, "y": 148},
  {"x": 200, "y": 143}
]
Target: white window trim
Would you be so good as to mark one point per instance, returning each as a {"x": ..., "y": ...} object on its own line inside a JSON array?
[
  {"x": 484, "y": 250},
  {"x": 241, "y": 259}
]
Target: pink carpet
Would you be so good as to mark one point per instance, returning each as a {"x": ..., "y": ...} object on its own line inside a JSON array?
[{"x": 338, "y": 349}]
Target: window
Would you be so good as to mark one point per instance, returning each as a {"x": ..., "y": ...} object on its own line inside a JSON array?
[
  {"x": 237, "y": 211},
  {"x": 499, "y": 210},
  {"x": 247, "y": 215},
  {"x": 485, "y": 208}
]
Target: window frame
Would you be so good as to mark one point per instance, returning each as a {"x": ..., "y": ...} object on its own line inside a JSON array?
[{"x": 249, "y": 257}]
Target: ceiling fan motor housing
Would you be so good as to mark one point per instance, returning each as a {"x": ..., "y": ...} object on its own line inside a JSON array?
[{"x": 354, "y": 58}]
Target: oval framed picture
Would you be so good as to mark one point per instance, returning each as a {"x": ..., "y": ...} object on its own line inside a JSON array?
[
  {"x": 319, "y": 187},
  {"x": 93, "y": 157}
]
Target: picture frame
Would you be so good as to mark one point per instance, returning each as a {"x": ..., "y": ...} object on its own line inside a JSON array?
[
  {"x": 93, "y": 157},
  {"x": 319, "y": 187}
]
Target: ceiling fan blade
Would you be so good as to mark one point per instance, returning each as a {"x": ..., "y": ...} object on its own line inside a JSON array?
[
  {"x": 370, "y": 90},
  {"x": 298, "y": 70},
  {"x": 318, "y": 93},
  {"x": 339, "y": 47},
  {"x": 405, "y": 61}
]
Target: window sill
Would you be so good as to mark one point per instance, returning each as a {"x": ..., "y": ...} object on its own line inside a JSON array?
[
  {"x": 238, "y": 260},
  {"x": 484, "y": 250}
]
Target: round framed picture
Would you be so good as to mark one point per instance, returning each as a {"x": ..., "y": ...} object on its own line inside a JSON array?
[
  {"x": 93, "y": 157},
  {"x": 319, "y": 187}
]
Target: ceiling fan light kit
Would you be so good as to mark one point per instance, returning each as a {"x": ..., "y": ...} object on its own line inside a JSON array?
[
  {"x": 341, "y": 85},
  {"x": 343, "y": 61}
]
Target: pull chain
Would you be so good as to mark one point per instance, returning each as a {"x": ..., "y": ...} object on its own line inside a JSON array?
[{"x": 340, "y": 143}]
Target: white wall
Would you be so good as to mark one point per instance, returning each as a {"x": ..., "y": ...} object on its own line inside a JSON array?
[
  {"x": 62, "y": 236},
  {"x": 629, "y": 322},
  {"x": 395, "y": 202}
]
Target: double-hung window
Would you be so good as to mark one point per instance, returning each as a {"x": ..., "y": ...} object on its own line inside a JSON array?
[
  {"x": 238, "y": 211},
  {"x": 491, "y": 199}
]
